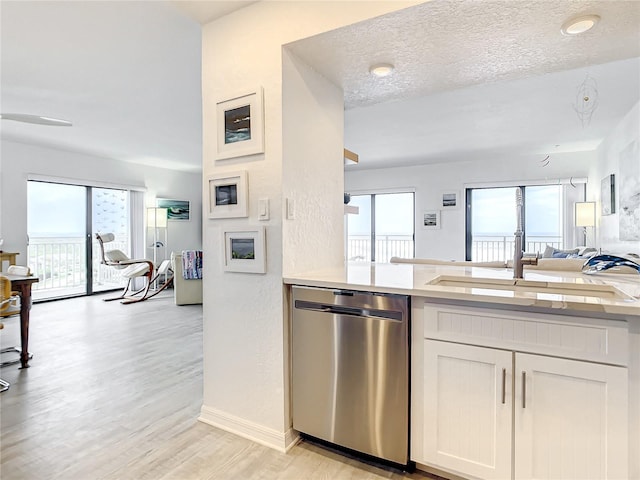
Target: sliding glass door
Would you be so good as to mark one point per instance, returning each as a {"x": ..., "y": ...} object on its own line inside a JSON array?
[
  {"x": 383, "y": 227},
  {"x": 110, "y": 213},
  {"x": 61, "y": 224},
  {"x": 56, "y": 225},
  {"x": 491, "y": 221}
]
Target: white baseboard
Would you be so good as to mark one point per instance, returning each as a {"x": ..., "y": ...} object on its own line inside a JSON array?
[{"x": 281, "y": 441}]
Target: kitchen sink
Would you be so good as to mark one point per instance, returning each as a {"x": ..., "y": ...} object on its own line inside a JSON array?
[{"x": 532, "y": 286}]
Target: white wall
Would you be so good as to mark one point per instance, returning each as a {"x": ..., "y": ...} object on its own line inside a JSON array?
[
  {"x": 608, "y": 162},
  {"x": 245, "y": 373},
  {"x": 313, "y": 165},
  {"x": 429, "y": 181},
  {"x": 21, "y": 160}
]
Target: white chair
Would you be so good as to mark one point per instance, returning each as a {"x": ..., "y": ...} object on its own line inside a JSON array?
[
  {"x": 130, "y": 269},
  {"x": 9, "y": 300}
]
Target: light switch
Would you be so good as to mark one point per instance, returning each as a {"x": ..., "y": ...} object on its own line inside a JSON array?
[
  {"x": 263, "y": 209},
  {"x": 291, "y": 213}
]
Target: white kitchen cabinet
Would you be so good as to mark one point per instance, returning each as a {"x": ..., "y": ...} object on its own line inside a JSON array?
[
  {"x": 570, "y": 419},
  {"x": 503, "y": 411},
  {"x": 467, "y": 411}
]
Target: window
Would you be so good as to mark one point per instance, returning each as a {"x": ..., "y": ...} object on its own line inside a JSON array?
[
  {"x": 491, "y": 220},
  {"x": 383, "y": 227},
  {"x": 62, "y": 220},
  {"x": 56, "y": 228}
]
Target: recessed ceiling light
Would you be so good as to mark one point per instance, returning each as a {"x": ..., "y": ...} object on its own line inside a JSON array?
[
  {"x": 381, "y": 69},
  {"x": 579, "y": 25}
]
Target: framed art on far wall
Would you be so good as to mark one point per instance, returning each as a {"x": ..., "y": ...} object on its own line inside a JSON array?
[
  {"x": 608, "y": 194},
  {"x": 244, "y": 250},
  {"x": 629, "y": 192},
  {"x": 240, "y": 125},
  {"x": 431, "y": 219},
  {"x": 450, "y": 199},
  {"x": 176, "y": 209},
  {"x": 228, "y": 195}
]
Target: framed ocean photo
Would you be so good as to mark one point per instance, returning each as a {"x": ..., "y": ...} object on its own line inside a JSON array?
[
  {"x": 240, "y": 125},
  {"x": 244, "y": 250},
  {"x": 176, "y": 209}
]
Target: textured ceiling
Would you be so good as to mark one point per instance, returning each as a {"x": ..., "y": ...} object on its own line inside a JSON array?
[
  {"x": 517, "y": 120},
  {"x": 473, "y": 78},
  {"x": 444, "y": 45},
  {"x": 479, "y": 79}
]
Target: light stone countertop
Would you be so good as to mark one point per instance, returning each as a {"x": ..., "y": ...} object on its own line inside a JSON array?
[{"x": 412, "y": 279}]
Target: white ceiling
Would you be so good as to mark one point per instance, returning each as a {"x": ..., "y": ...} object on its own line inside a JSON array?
[
  {"x": 206, "y": 11},
  {"x": 127, "y": 74},
  {"x": 478, "y": 80},
  {"x": 473, "y": 78}
]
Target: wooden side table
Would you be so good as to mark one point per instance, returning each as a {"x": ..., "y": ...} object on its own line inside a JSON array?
[{"x": 7, "y": 257}]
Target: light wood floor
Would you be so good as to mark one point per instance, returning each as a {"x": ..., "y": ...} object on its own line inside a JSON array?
[{"x": 114, "y": 392}]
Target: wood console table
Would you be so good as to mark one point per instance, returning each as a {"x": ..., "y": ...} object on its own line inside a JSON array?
[
  {"x": 22, "y": 284},
  {"x": 7, "y": 257}
]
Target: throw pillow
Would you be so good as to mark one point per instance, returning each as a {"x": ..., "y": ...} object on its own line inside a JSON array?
[{"x": 551, "y": 252}]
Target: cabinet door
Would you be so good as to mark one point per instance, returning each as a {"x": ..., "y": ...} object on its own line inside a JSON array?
[
  {"x": 570, "y": 419},
  {"x": 467, "y": 409}
]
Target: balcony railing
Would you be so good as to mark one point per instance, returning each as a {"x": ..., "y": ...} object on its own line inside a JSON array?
[
  {"x": 485, "y": 248},
  {"x": 387, "y": 246},
  {"x": 59, "y": 263},
  {"x": 490, "y": 248}
]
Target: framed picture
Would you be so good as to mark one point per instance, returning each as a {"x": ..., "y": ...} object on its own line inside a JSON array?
[
  {"x": 450, "y": 199},
  {"x": 629, "y": 192},
  {"x": 244, "y": 250},
  {"x": 608, "y": 194},
  {"x": 431, "y": 219},
  {"x": 176, "y": 209},
  {"x": 228, "y": 194},
  {"x": 240, "y": 124}
]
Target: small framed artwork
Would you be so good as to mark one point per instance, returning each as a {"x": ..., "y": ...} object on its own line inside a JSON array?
[
  {"x": 228, "y": 194},
  {"x": 608, "y": 194},
  {"x": 431, "y": 219},
  {"x": 176, "y": 209},
  {"x": 244, "y": 250},
  {"x": 240, "y": 124},
  {"x": 450, "y": 199}
]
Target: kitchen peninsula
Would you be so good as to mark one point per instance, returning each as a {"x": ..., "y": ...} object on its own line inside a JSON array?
[{"x": 531, "y": 378}]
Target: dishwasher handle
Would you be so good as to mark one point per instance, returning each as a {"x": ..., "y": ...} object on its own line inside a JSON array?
[{"x": 352, "y": 311}]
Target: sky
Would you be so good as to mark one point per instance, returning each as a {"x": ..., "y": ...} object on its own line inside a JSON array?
[
  {"x": 494, "y": 212},
  {"x": 394, "y": 214},
  {"x": 56, "y": 210}
]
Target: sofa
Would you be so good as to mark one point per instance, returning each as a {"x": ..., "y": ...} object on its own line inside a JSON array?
[
  {"x": 570, "y": 260},
  {"x": 585, "y": 253},
  {"x": 185, "y": 292}
]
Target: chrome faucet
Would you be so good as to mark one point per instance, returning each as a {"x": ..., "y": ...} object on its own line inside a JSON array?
[{"x": 518, "y": 255}]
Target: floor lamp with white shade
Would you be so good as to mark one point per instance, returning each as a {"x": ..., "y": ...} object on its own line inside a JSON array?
[
  {"x": 157, "y": 224},
  {"x": 586, "y": 217}
]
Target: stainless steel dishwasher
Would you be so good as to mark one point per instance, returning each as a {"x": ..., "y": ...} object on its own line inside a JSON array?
[{"x": 350, "y": 370}]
